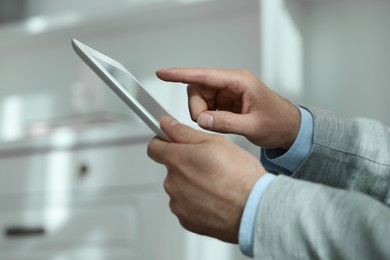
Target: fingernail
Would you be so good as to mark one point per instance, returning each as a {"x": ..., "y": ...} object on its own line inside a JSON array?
[
  {"x": 173, "y": 122},
  {"x": 169, "y": 120},
  {"x": 206, "y": 120}
]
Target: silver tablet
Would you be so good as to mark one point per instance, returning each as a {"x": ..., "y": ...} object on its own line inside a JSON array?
[{"x": 125, "y": 85}]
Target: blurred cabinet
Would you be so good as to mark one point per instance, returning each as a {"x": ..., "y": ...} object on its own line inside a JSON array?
[
  {"x": 100, "y": 198},
  {"x": 110, "y": 231},
  {"x": 52, "y": 187},
  {"x": 42, "y": 78}
]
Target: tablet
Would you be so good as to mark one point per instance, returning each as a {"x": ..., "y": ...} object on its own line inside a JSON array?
[{"x": 125, "y": 85}]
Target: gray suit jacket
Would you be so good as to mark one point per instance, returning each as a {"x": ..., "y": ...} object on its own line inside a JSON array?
[{"x": 336, "y": 206}]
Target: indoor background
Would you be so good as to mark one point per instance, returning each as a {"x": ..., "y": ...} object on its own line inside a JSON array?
[{"x": 75, "y": 179}]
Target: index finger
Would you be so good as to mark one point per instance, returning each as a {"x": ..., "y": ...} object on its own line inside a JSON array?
[{"x": 214, "y": 78}]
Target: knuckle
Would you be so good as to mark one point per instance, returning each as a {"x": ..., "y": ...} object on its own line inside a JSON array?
[
  {"x": 226, "y": 122},
  {"x": 181, "y": 130},
  {"x": 149, "y": 149},
  {"x": 185, "y": 224},
  {"x": 168, "y": 186},
  {"x": 172, "y": 206},
  {"x": 176, "y": 208},
  {"x": 247, "y": 76},
  {"x": 246, "y": 73}
]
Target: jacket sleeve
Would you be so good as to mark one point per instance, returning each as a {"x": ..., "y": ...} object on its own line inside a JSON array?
[
  {"x": 302, "y": 220},
  {"x": 349, "y": 154}
]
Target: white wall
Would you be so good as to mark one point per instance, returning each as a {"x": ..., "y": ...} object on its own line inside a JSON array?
[
  {"x": 339, "y": 52},
  {"x": 348, "y": 57}
]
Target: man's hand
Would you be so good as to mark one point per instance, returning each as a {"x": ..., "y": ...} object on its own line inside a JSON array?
[
  {"x": 209, "y": 179},
  {"x": 235, "y": 101}
]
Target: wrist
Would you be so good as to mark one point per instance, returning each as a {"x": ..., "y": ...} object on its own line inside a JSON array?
[
  {"x": 288, "y": 161},
  {"x": 293, "y": 121}
]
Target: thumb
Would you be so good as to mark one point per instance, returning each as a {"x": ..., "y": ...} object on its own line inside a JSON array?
[
  {"x": 179, "y": 133},
  {"x": 226, "y": 122}
]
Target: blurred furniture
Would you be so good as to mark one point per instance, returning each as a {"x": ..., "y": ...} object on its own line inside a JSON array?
[
  {"x": 89, "y": 193},
  {"x": 76, "y": 184}
]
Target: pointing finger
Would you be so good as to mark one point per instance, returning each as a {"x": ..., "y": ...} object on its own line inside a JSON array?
[{"x": 214, "y": 78}]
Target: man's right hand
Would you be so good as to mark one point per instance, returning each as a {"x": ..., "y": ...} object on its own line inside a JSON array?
[
  {"x": 209, "y": 179},
  {"x": 235, "y": 101}
]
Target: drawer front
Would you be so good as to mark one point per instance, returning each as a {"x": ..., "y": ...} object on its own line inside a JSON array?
[
  {"x": 64, "y": 170},
  {"x": 122, "y": 165},
  {"x": 62, "y": 227},
  {"x": 120, "y": 229}
]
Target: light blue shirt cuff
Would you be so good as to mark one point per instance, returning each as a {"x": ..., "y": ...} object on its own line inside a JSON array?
[
  {"x": 294, "y": 157},
  {"x": 248, "y": 218},
  {"x": 278, "y": 160}
]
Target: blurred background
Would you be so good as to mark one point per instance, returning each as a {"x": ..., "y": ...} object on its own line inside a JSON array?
[{"x": 75, "y": 179}]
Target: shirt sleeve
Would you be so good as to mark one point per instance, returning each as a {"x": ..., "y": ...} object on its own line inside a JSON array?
[
  {"x": 276, "y": 160},
  {"x": 245, "y": 236},
  {"x": 281, "y": 161}
]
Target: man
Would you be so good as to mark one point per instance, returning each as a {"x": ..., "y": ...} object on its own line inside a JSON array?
[{"x": 334, "y": 205}]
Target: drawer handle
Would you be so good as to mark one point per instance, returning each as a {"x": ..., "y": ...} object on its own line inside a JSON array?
[
  {"x": 83, "y": 170},
  {"x": 23, "y": 232}
]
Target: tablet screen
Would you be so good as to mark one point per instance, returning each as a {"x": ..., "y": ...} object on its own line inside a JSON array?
[
  {"x": 125, "y": 85},
  {"x": 135, "y": 90}
]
